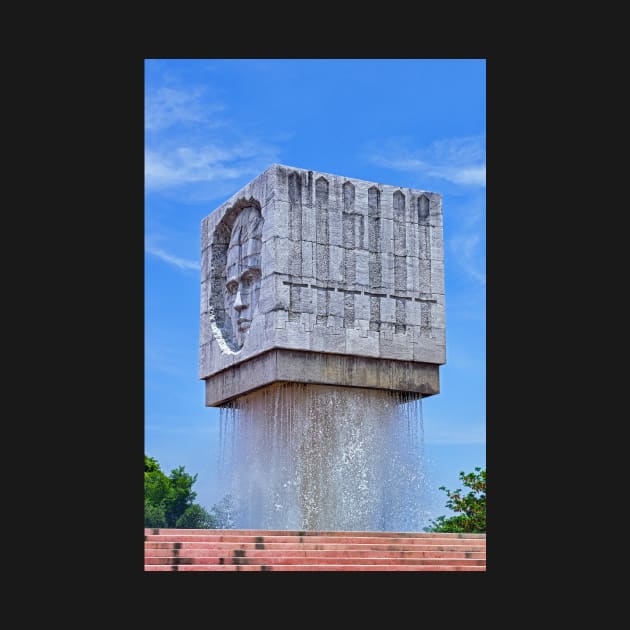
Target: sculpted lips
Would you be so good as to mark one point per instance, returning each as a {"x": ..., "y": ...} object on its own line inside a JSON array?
[{"x": 243, "y": 323}]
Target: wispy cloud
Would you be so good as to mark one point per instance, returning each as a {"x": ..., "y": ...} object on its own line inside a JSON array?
[
  {"x": 180, "y": 263},
  {"x": 458, "y": 160},
  {"x": 467, "y": 250},
  {"x": 152, "y": 248},
  {"x": 464, "y": 235},
  {"x": 193, "y": 150},
  {"x": 167, "y": 166},
  {"x": 168, "y": 106}
]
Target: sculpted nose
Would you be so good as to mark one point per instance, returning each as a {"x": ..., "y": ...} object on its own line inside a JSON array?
[{"x": 239, "y": 305}]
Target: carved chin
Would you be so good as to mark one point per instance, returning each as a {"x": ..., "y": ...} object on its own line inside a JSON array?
[{"x": 241, "y": 333}]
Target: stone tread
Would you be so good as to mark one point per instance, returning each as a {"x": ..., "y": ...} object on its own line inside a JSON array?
[
  {"x": 311, "y": 540},
  {"x": 310, "y": 567},
  {"x": 275, "y": 550},
  {"x": 229, "y": 552},
  {"x": 290, "y": 532}
]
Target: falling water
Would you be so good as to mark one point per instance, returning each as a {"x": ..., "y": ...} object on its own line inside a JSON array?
[{"x": 319, "y": 457}]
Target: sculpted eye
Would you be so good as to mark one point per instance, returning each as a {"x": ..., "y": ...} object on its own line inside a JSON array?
[
  {"x": 231, "y": 287},
  {"x": 250, "y": 278}
]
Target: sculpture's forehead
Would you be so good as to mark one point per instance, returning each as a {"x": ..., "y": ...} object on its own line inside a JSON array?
[
  {"x": 234, "y": 254},
  {"x": 241, "y": 251},
  {"x": 241, "y": 258}
]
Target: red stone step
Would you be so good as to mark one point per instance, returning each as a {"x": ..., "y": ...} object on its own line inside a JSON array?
[
  {"x": 277, "y": 560},
  {"x": 298, "y": 539},
  {"x": 312, "y": 547},
  {"x": 273, "y": 550},
  {"x": 283, "y": 533},
  {"x": 309, "y": 567},
  {"x": 230, "y": 552}
]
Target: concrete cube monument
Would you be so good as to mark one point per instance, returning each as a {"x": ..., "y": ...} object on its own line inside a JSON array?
[{"x": 309, "y": 277}]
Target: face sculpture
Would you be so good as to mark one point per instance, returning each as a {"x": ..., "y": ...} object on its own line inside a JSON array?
[{"x": 242, "y": 272}]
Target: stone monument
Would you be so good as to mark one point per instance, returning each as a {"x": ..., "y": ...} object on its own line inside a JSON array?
[
  {"x": 308, "y": 277},
  {"x": 322, "y": 328}
]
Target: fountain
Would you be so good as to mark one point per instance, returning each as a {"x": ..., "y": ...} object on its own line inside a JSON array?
[{"x": 322, "y": 328}]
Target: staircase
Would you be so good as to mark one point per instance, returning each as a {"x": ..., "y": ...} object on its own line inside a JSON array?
[{"x": 267, "y": 550}]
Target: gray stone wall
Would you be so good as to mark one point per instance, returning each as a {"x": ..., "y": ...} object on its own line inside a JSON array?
[{"x": 347, "y": 266}]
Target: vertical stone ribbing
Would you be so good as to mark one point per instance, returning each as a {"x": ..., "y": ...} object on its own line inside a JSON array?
[
  {"x": 423, "y": 208},
  {"x": 424, "y": 244},
  {"x": 322, "y": 307},
  {"x": 425, "y": 315},
  {"x": 348, "y": 237},
  {"x": 309, "y": 197},
  {"x": 359, "y": 234},
  {"x": 322, "y": 255},
  {"x": 295, "y": 303},
  {"x": 348, "y": 197},
  {"x": 348, "y": 310},
  {"x": 400, "y": 243},
  {"x": 295, "y": 224},
  {"x": 375, "y": 271},
  {"x": 349, "y": 244},
  {"x": 399, "y": 326},
  {"x": 375, "y": 313},
  {"x": 321, "y": 228}
]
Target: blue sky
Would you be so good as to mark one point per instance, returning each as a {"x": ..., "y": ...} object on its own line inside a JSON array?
[{"x": 212, "y": 125}]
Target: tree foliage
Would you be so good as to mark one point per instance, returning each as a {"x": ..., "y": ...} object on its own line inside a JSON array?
[
  {"x": 156, "y": 483},
  {"x": 472, "y": 506},
  {"x": 196, "y": 517},
  {"x": 180, "y": 496},
  {"x": 169, "y": 501},
  {"x": 153, "y": 515}
]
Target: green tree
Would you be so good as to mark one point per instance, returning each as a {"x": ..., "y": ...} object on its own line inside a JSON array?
[
  {"x": 169, "y": 501},
  {"x": 180, "y": 496},
  {"x": 156, "y": 483},
  {"x": 196, "y": 517},
  {"x": 153, "y": 515},
  {"x": 471, "y": 505}
]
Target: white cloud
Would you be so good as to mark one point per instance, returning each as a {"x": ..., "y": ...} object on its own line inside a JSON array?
[
  {"x": 180, "y": 263},
  {"x": 167, "y": 106},
  {"x": 167, "y": 166},
  {"x": 194, "y": 153},
  {"x": 464, "y": 234},
  {"x": 466, "y": 249},
  {"x": 458, "y": 160},
  {"x": 467, "y": 176}
]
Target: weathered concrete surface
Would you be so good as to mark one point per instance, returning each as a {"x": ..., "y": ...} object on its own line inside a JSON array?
[
  {"x": 322, "y": 369},
  {"x": 337, "y": 266}
]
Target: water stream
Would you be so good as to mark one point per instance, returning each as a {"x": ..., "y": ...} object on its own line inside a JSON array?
[{"x": 318, "y": 457}]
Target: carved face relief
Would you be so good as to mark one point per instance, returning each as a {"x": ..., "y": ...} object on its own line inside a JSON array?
[{"x": 242, "y": 274}]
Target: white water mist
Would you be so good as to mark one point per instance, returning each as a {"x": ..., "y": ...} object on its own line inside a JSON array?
[{"x": 318, "y": 457}]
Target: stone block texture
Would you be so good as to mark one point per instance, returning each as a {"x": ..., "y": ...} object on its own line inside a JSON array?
[{"x": 308, "y": 261}]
